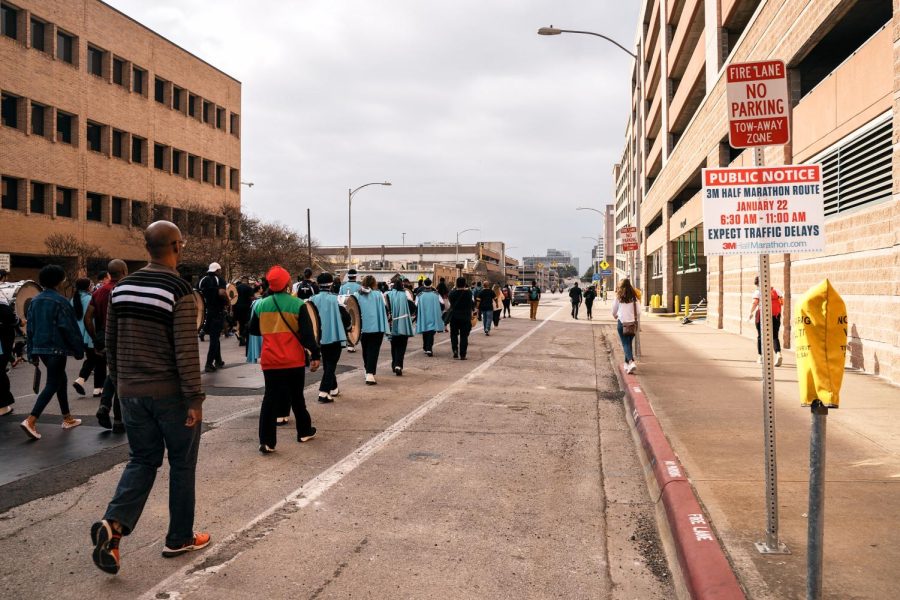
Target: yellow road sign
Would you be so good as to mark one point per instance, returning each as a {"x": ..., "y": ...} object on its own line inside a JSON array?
[{"x": 604, "y": 265}]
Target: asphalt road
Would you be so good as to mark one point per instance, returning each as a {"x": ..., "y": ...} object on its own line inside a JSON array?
[{"x": 510, "y": 475}]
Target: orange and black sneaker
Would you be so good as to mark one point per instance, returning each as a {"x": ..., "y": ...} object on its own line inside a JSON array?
[
  {"x": 106, "y": 546},
  {"x": 199, "y": 542}
]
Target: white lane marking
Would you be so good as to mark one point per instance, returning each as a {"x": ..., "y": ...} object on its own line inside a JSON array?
[{"x": 180, "y": 583}]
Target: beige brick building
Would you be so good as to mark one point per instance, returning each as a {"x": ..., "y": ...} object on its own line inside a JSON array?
[
  {"x": 843, "y": 61},
  {"x": 106, "y": 126}
]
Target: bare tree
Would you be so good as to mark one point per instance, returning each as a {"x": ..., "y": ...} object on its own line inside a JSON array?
[{"x": 72, "y": 254}]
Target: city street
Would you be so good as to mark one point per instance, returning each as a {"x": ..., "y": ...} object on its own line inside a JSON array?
[{"x": 512, "y": 474}]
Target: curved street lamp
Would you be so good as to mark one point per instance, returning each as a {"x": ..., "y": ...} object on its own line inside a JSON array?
[
  {"x": 457, "y": 241},
  {"x": 350, "y": 193},
  {"x": 555, "y": 31}
]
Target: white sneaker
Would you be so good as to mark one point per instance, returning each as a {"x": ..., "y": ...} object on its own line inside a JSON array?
[
  {"x": 335, "y": 392},
  {"x": 778, "y": 359},
  {"x": 98, "y": 392},
  {"x": 351, "y": 348},
  {"x": 6, "y": 410},
  {"x": 626, "y": 367},
  {"x": 30, "y": 430},
  {"x": 370, "y": 379},
  {"x": 78, "y": 384},
  {"x": 71, "y": 423},
  {"x": 632, "y": 367}
]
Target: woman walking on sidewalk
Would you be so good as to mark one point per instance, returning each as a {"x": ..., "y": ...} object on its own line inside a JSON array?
[
  {"x": 625, "y": 310},
  {"x": 777, "y": 303},
  {"x": 589, "y": 295},
  {"x": 80, "y": 301},
  {"x": 401, "y": 311},
  {"x": 373, "y": 311},
  {"x": 52, "y": 336}
]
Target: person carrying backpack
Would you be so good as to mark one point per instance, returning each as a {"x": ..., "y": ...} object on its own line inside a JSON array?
[{"x": 534, "y": 298}]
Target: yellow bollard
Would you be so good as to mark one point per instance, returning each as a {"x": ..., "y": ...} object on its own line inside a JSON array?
[
  {"x": 687, "y": 305},
  {"x": 677, "y": 304}
]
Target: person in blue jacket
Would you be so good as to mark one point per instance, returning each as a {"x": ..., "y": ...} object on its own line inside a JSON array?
[
  {"x": 351, "y": 286},
  {"x": 53, "y": 336},
  {"x": 374, "y": 324},
  {"x": 334, "y": 319},
  {"x": 430, "y": 307},
  {"x": 401, "y": 311}
]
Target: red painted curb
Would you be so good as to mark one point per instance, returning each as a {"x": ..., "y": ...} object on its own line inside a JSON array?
[{"x": 706, "y": 571}]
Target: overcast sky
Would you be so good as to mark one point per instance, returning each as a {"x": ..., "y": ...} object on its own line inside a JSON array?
[{"x": 475, "y": 119}]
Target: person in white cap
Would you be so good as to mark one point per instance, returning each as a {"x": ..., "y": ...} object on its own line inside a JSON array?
[{"x": 212, "y": 287}]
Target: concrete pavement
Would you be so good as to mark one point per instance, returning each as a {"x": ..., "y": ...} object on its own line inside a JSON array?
[{"x": 704, "y": 386}]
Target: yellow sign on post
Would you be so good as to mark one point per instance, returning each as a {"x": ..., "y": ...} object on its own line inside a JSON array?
[{"x": 820, "y": 336}]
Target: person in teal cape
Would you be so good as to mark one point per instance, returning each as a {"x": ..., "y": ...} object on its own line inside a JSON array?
[
  {"x": 334, "y": 320},
  {"x": 401, "y": 310},
  {"x": 430, "y": 307},
  {"x": 373, "y": 313}
]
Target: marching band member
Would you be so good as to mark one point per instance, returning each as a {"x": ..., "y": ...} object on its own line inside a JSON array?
[
  {"x": 334, "y": 335},
  {"x": 374, "y": 324},
  {"x": 429, "y": 307},
  {"x": 401, "y": 317},
  {"x": 347, "y": 288}
]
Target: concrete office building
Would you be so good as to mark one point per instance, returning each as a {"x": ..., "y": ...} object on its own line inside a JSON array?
[
  {"x": 845, "y": 85},
  {"x": 106, "y": 126}
]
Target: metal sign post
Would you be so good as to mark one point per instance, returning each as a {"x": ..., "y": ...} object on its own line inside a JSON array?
[{"x": 816, "y": 519}]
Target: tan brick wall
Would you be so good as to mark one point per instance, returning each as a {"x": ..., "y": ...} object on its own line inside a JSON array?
[{"x": 39, "y": 76}]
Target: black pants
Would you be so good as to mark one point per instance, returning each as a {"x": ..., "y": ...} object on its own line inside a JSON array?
[
  {"x": 89, "y": 363},
  {"x": 110, "y": 399},
  {"x": 100, "y": 371},
  {"x": 776, "y": 325},
  {"x": 459, "y": 335},
  {"x": 242, "y": 316},
  {"x": 588, "y": 306},
  {"x": 497, "y": 317},
  {"x": 56, "y": 385},
  {"x": 398, "y": 350},
  {"x": 506, "y": 311},
  {"x": 284, "y": 388},
  {"x": 575, "y": 307},
  {"x": 6, "y": 397},
  {"x": 428, "y": 341},
  {"x": 371, "y": 346},
  {"x": 331, "y": 354},
  {"x": 213, "y": 327}
]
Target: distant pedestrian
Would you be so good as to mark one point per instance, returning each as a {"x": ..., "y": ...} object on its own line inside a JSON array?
[
  {"x": 254, "y": 342},
  {"x": 241, "y": 309},
  {"x": 498, "y": 304},
  {"x": 288, "y": 342},
  {"x": 373, "y": 311},
  {"x": 53, "y": 335},
  {"x": 351, "y": 286},
  {"x": 625, "y": 310},
  {"x": 400, "y": 312},
  {"x": 154, "y": 362},
  {"x": 575, "y": 297},
  {"x": 462, "y": 306},
  {"x": 590, "y": 294},
  {"x": 80, "y": 301},
  {"x": 484, "y": 305},
  {"x": 507, "y": 300},
  {"x": 95, "y": 323},
  {"x": 429, "y": 308},
  {"x": 334, "y": 321},
  {"x": 534, "y": 298},
  {"x": 212, "y": 287},
  {"x": 306, "y": 288},
  {"x": 777, "y": 304},
  {"x": 9, "y": 321},
  {"x": 442, "y": 289}
]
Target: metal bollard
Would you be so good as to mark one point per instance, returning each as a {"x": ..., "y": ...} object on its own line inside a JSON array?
[
  {"x": 677, "y": 304},
  {"x": 687, "y": 305}
]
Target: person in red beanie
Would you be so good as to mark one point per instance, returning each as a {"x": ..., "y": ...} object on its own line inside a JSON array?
[{"x": 288, "y": 337}]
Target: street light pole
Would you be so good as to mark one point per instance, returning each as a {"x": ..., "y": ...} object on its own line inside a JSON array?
[
  {"x": 350, "y": 193},
  {"x": 457, "y": 241}
]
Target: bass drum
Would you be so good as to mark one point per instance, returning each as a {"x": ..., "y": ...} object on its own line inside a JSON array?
[
  {"x": 18, "y": 295},
  {"x": 232, "y": 293},
  {"x": 351, "y": 304},
  {"x": 314, "y": 319},
  {"x": 201, "y": 308}
]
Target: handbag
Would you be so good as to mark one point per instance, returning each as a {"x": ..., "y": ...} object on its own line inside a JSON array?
[
  {"x": 447, "y": 314},
  {"x": 630, "y": 328}
]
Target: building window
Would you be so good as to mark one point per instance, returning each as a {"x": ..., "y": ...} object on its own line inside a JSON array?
[
  {"x": 95, "y": 61},
  {"x": 65, "y": 47},
  {"x": 64, "y": 122},
  {"x": 159, "y": 156},
  {"x": 220, "y": 118},
  {"x": 192, "y": 166},
  {"x": 235, "y": 180},
  {"x": 118, "y": 210},
  {"x": 159, "y": 90},
  {"x": 38, "y": 115},
  {"x": 9, "y": 21},
  {"x": 177, "y": 97},
  {"x": 118, "y": 143},
  {"x": 10, "y": 197},
  {"x": 138, "y": 151},
  {"x": 65, "y": 198},
  {"x": 94, "y": 207},
  {"x": 38, "y": 197},
  {"x": 9, "y": 110},
  {"x": 118, "y": 71},
  {"x": 207, "y": 171},
  {"x": 138, "y": 213},
  {"x": 192, "y": 105},
  {"x": 177, "y": 157},
  {"x": 220, "y": 175},
  {"x": 94, "y": 136},
  {"x": 207, "y": 111},
  {"x": 160, "y": 213},
  {"x": 235, "y": 125},
  {"x": 137, "y": 80},
  {"x": 38, "y": 35}
]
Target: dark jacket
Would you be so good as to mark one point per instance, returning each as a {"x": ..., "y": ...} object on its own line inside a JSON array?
[
  {"x": 461, "y": 304},
  {"x": 52, "y": 327},
  {"x": 575, "y": 295},
  {"x": 8, "y": 322}
]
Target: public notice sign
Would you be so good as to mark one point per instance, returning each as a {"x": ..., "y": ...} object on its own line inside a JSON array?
[
  {"x": 628, "y": 239},
  {"x": 763, "y": 210},
  {"x": 757, "y": 104}
]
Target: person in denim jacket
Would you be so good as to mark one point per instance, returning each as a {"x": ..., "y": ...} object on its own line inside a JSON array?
[{"x": 53, "y": 336}]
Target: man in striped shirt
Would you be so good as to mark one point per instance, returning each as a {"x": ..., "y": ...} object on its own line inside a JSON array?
[{"x": 154, "y": 362}]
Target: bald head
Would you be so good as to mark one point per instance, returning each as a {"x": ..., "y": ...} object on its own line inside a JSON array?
[
  {"x": 162, "y": 239},
  {"x": 117, "y": 269}
]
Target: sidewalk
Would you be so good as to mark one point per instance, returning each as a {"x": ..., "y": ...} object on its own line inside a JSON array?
[{"x": 704, "y": 386}]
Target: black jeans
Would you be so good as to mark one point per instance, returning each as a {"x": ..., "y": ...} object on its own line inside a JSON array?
[
  {"x": 459, "y": 335},
  {"x": 100, "y": 369},
  {"x": 776, "y": 325},
  {"x": 6, "y": 397},
  {"x": 575, "y": 307},
  {"x": 89, "y": 364},
  {"x": 284, "y": 392},
  {"x": 428, "y": 341},
  {"x": 588, "y": 306},
  {"x": 398, "y": 350},
  {"x": 242, "y": 316},
  {"x": 506, "y": 311},
  {"x": 331, "y": 354},
  {"x": 213, "y": 327},
  {"x": 371, "y": 346},
  {"x": 56, "y": 384},
  {"x": 156, "y": 425},
  {"x": 110, "y": 399},
  {"x": 497, "y": 317}
]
